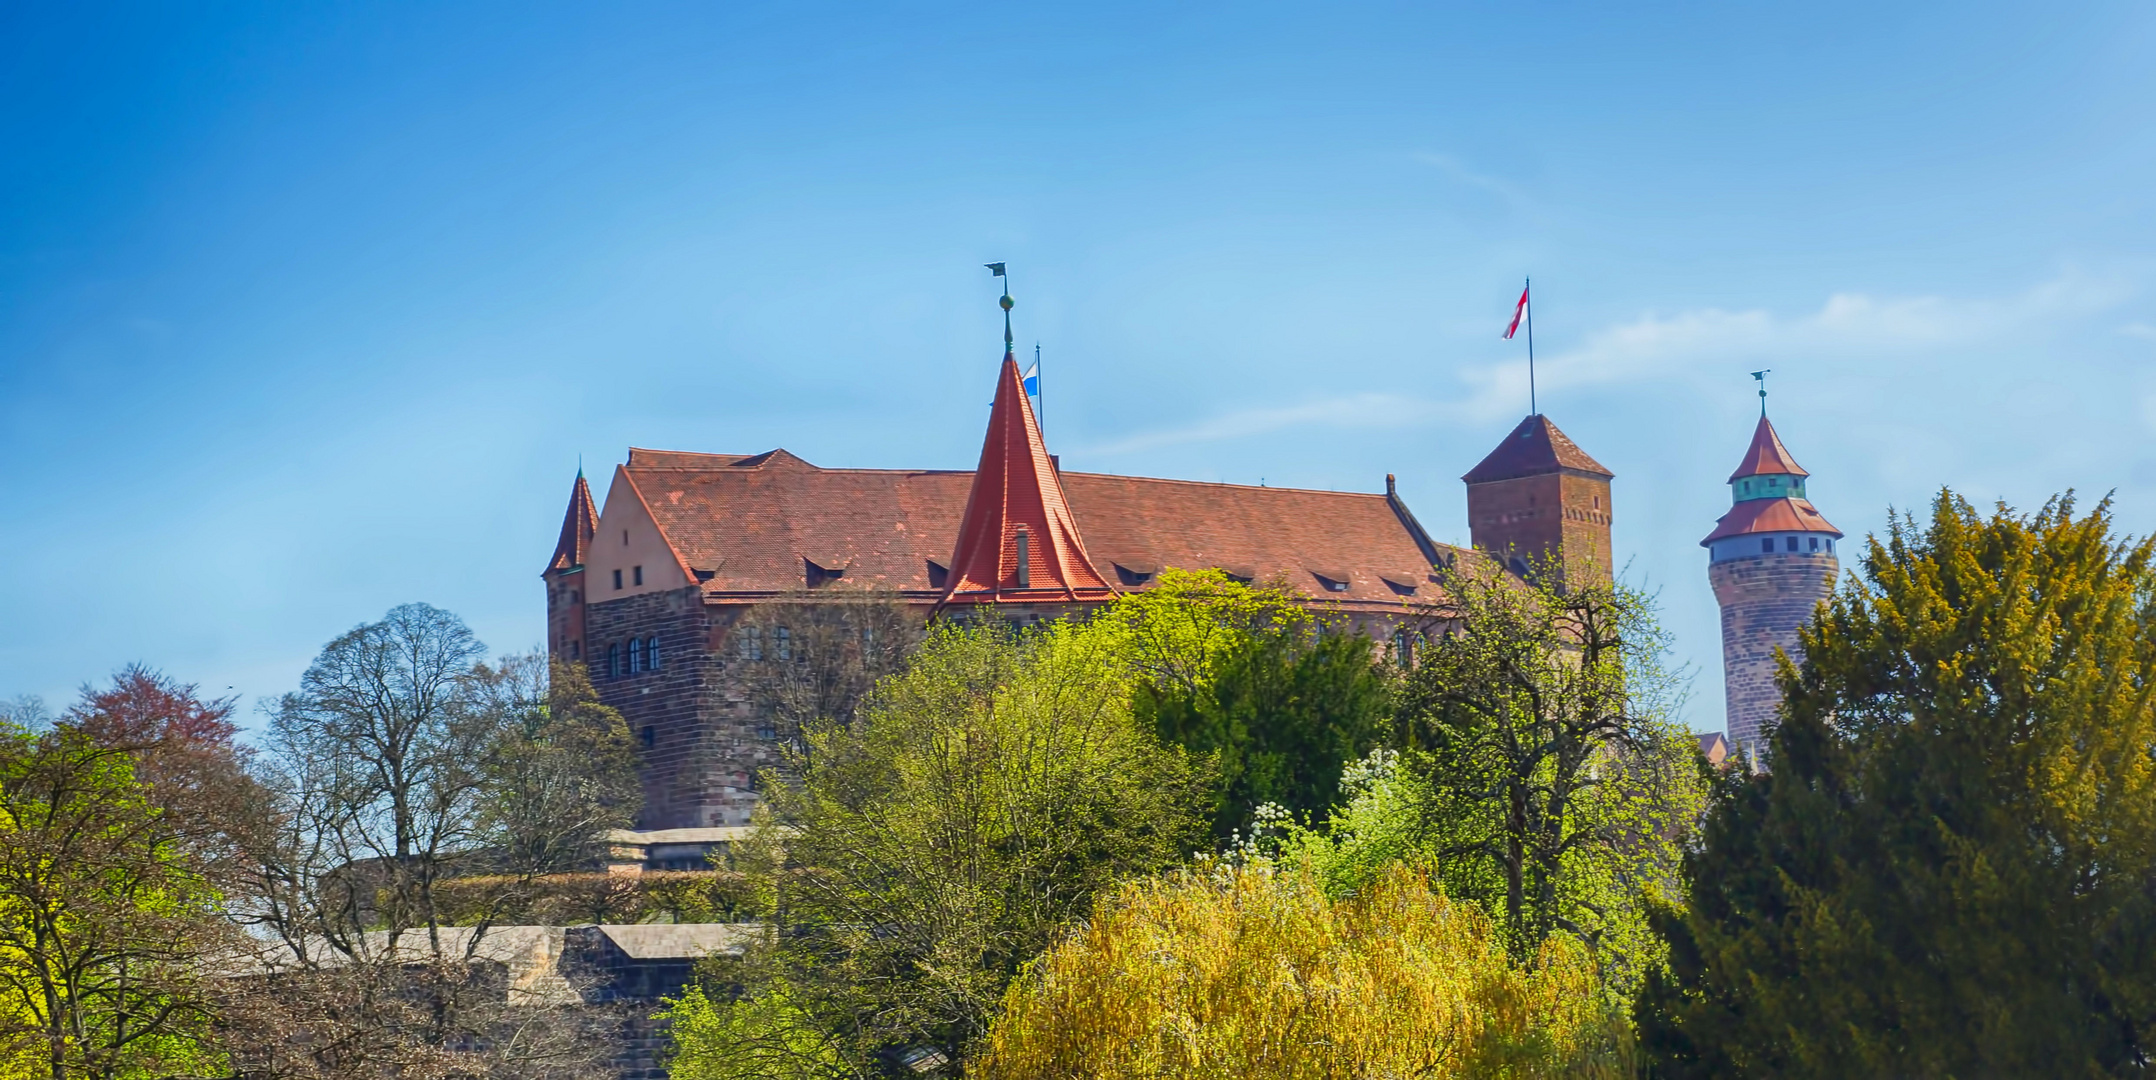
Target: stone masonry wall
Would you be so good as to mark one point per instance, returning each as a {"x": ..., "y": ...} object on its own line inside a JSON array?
[
  {"x": 702, "y": 740},
  {"x": 1537, "y": 516},
  {"x": 1764, "y": 599},
  {"x": 700, "y": 743}
]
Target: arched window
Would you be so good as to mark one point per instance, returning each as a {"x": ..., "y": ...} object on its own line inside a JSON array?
[
  {"x": 636, "y": 654},
  {"x": 752, "y": 643},
  {"x": 613, "y": 661},
  {"x": 651, "y": 652}
]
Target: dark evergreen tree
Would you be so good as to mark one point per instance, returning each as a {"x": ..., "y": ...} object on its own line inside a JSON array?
[{"x": 1950, "y": 869}]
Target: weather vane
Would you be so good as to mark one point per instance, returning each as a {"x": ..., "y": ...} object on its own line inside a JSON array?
[
  {"x": 997, "y": 270},
  {"x": 1761, "y": 375}
]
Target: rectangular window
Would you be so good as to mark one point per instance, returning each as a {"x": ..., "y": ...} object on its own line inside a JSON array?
[
  {"x": 1766, "y": 545},
  {"x": 649, "y": 737},
  {"x": 752, "y": 643},
  {"x": 1815, "y": 543},
  {"x": 1791, "y": 543},
  {"x": 1025, "y": 561},
  {"x": 651, "y": 652},
  {"x": 617, "y": 579},
  {"x": 639, "y": 571},
  {"x": 785, "y": 641}
]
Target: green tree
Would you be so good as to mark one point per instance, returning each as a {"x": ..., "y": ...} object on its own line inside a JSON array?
[
  {"x": 1548, "y": 778},
  {"x": 979, "y": 801},
  {"x": 104, "y": 916},
  {"x": 1245, "y": 676},
  {"x": 1950, "y": 869},
  {"x": 1283, "y": 711}
]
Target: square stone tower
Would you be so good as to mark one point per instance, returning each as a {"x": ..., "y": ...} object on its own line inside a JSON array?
[{"x": 1539, "y": 501}]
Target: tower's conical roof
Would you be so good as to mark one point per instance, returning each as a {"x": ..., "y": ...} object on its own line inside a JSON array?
[
  {"x": 1766, "y": 455},
  {"x": 578, "y": 525},
  {"x": 1016, "y": 490},
  {"x": 1534, "y": 448}
]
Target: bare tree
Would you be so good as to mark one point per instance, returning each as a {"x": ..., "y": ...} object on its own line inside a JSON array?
[
  {"x": 814, "y": 655},
  {"x": 402, "y": 764}
]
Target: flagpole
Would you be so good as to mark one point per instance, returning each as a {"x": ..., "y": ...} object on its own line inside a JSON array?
[{"x": 1528, "y": 290}]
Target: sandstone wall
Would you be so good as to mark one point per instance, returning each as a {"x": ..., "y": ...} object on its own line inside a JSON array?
[{"x": 1764, "y": 599}]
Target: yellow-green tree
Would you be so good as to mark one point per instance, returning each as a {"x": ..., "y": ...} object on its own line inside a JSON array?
[
  {"x": 1544, "y": 775},
  {"x": 1255, "y": 973},
  {"x": 104, "y": 920}
]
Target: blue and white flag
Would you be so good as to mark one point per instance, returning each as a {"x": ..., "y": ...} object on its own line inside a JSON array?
[{"x": 1032, "y": 379}]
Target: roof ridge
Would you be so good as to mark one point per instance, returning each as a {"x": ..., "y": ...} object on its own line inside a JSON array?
[{"x": 1227, "y": 484}]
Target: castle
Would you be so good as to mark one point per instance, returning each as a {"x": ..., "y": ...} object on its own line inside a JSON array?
[{"x": 651, "y": 592}]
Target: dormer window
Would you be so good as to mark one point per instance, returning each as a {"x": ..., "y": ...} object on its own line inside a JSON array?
[{"x": 1330, "y": 582}]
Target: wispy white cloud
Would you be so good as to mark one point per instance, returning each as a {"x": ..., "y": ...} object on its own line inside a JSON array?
[
  {"x": 2140, "y": 330},
  {"x": 1458, "y": 170},
  {"x": 1357, "y": 410},
  {"x": 1846, "y": 325},
  {"x": 1653, "y": 346}
]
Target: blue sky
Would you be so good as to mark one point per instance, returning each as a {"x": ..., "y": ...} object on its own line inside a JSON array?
[{"x": 310, "y": 310}]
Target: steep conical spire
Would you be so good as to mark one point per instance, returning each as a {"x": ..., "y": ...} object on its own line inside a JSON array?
[
  {"x": 1766, "y": 456},
  {"x": 1018, "y": 542},
  {"x": 578, "y": 525}
]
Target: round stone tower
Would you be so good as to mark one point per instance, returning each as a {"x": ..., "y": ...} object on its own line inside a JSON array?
[{"x": 1771, "y": 560}]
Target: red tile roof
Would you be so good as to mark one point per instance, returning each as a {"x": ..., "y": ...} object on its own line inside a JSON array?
[
  {"x": 578, "y": 525},
  {"x": 1534, "y": 448},
  {"x": 1017, "y": 540},
  {"x": 1766, "y": 455},
  {"x": 1769, "y": 516},
  {"x": 756, "y": 523}
]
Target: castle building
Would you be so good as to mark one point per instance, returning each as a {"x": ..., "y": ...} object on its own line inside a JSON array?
[
  {"x": 651, "y": 591},
  {"x": 1771, "y": 561}
]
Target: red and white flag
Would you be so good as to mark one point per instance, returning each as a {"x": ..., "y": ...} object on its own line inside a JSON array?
[{"x": 1518, "y": 310}]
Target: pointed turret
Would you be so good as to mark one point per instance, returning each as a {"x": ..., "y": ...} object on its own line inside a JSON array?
[
  {"x": 1767, "y": 497},
  {"x": 1766, "y": 455},
  {"x": 564, "y": 574},
  {"x": 1018, "y": 542},
  {"x": 578, "y": 525}
]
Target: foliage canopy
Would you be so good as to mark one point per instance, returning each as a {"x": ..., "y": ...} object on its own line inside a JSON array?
[
  {"x": 978, "y": 801},
  {"x": 1951, "y": 868},
  {"x": 1254, "y": 972}
]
